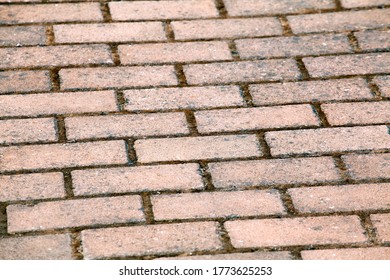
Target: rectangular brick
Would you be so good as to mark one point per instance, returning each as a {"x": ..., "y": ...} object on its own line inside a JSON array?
[
  {"x": 328, "y": 140},
  {"x": 216, "y": 205},
  {"x": 65, "y": 214},
  {"x": 64, "y": 12},
  {"x": 197, "y": 148},
  {"x": 226, "y": 28},
  {"x": 155, "y": 99},
  {"x": 62, "y": 155},
  {"x": 258, "y": 255},
  {"x": 150, "y": 240},
  {"x": 107, "y": 77},
  {"x": 355, "y": 64},
  {"x": 24, "y": 81},
  {"x": 340, "y": 21},
  {"x": 329, "y": 199},
  {"x": 369, "y": 166},
  {"x": 31, "y": 186},
  {"x": 383, "y": 82},
  {"x": 363, "y": 3},
  {"x": 109, "y": 32},
  {"x": 372, "y": 253},
  {"x": 381, "y": 223},
  {"x": 242, "y": 71},
  {"x": 137, "y": 179},
  {"x": 22, "y": 35},
  {"x": 255, "y": 118},
  {"x": 295, "y": 231},
  {"x": 27, "y": 130},
  {"x": 273, "y": 172},
  {"x": 373, "y": 39},
  {"x": 312, "y": 91}
]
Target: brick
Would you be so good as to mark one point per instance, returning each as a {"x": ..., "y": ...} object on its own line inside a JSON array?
[
  {"x": 196, "y": 148},
  {"x": 182, "y": 98},
  {"x": 27, "y": 130},
  {"x": 57, "y": 103},
  {"x": 107, "y": 77},
  {"x": 31, "y": 186},
  {"x": 147, "y": 10},
  {"x": 226, "y": 28},
  {"x": 363, "y": 3},
  {"x": 22, "y": 35},
  {"x": 62, "y": 155},
  {"x": 357, "y": 113},
  {"x": 126, "y": 126},
  {"x": 312, "y": 91},
  {"x": 373, "y": 39},
  {"x": 137, "y": 179},
  {"x": 174, "y": 52},
  {"x": 341, "y": 198},
  {"x": 340, "y": 21},
  {"x": 42, "y": 247},
  {"x": 24, "y": 81},
  {"x": 369, "y": 166},
  {"x": 237, "y": 256},
  {"x": 273, "y": 172},
  {"x": 295, "y": 231},
  {"x": 373, "y": 253},
  {"x": 216, "y": 205},
  {"x": 54, "y": 56},
  {"x": 64, "y": 214},
  {"x": 261, "y": 7},
  {"x": 14, "y": 14},
  {"x": 356, "y": 64},
  {"x": 381, "y": 223},
  {"x": 328, "y": 140},
  {"x": 383, "y": 82},
  {"x": 243, "y": 71},
  {"x": 293, "y": 46},
  {"x": 255, "y": 118},
  {"x": 109, "y": 32},
  {"x": 150, "y": 240}
]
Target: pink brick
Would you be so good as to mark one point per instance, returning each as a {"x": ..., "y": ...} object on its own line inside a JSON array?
[
  {"x": 369, "y": 166},
  {"x": 363, "y": 3},
  {"x": 373, "y": 39},
  {"x": 372, "y": 253},
  {"x": 383, "y": 82},
  {"x": 20, "y": 81},
  {"x": 382, "y": 224},
  {"x": 258, "y": 255},
  {"x": 22, "y": 35}
]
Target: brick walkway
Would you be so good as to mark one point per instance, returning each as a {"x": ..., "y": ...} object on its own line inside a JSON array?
[{"x": 196, "y": 129}]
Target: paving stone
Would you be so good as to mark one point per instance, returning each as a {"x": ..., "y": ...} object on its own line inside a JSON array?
[
  {"x": 374, "y": 253},
  {"x": 22, "y": 35},
  {"x": 370, "y": 40},
  {"x": 24, "y": 81}
]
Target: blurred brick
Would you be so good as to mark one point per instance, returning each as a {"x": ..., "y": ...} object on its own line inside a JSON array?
[
  {"x": 383, "y": 83},
  {"x": 237, "y": 256},
  {"x": 382, "y": 224},
  {"x": 373, "y": 39},
  {"x": 369, "y": 166},
  {"x": 22, "y": 35},
  {"x": 24, "y": 81},
  {"x": 373, "y": 253},
  {"x": 363, "y": 3}
]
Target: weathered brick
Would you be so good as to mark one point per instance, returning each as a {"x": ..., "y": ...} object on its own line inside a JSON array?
[
  {"x": 363, "y": 3},
  {"x": 382, "y": 224},
  {"x": 22, "y": 35},
  {"x": 150, "y": 240},
  {"x": 62, "y": 155},
  {"x": 369, "y": 166},
  {"x": 328, "y": 140},
  {"x": 31, "y": 186},
  {"x": 373, "y": 39},
  {"x": 67, "y": 213},
  {"x": 24, "y": 81},
  {"x": 372, "y": 253},
  {"x": 137, "y": 179},
  {"x": 238, "y": 256},
  {"x": 57, "y": 103},
  {"x": 383, "y": 83},
  {"x": 274, "y": 171},
  {"x": 255, "y": 118},
  {"x": 295, "y": 231},
  {"x": 196, "y": 148}
]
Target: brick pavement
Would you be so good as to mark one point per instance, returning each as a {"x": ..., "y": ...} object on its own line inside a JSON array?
[{"x": 183, "y": 129}]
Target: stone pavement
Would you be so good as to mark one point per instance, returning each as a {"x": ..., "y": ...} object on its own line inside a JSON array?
[{"x": 195, "y": 129}]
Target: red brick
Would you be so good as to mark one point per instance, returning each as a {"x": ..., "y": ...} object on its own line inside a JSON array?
[
  {"x": 107, "y": 77},
  {"x": 22, "y": 35},
  {"x": 363, "y": 3},
  {"x": 137, "y": 179},
  {"x": 42, "y": 247},
  {"x": 273, "y": 172},
  {"x": 328, "y": 140},
  {"x": 383, "y": 82},
  {"x": 216, "y": 205},
  {"x": 258, "y": 255},
  {"x": 57, "y": 103},
  {"x": 373, "y": 39},
  {"x": 243, "y": 71},
  {"x": 196, "y": 148},
  {"x": 370, "y": 166},
  {"x": 226, "y": 28},
  {"x": 295, "y": 231},
  {"x": 20, "y": 81},
  {"x": 27, "y": 130},
  {"x": 373, "y": 253},
  {"x": 150, "y": 240},
  {"x": 146, "y": 10},
  {"x": 74, "y": 213},
  {"x": 62, "y": 155},
  {"x": 313, "y": 91},
  {"x": 382, "y": 224},
  {"x": 255, "y": 118},
  {"x": 31, "y": 186},
  {"x": 357, "y": 113},
  {"x": 183, "y": 98}
]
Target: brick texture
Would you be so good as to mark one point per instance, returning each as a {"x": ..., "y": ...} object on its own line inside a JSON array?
[
  {"x": 238, "y": 256},
  {"x": 24, "y": 81},
  {"x": 374, "y": 253},
  {"x": 22, "y": 35},
  {"x": 382, "y": 224},
  {"x": 383, "y": 83},
  {"x": 363, "y": 3},
  {"x": 370, "y": 166},
  {"x": 373, "y": 39}
]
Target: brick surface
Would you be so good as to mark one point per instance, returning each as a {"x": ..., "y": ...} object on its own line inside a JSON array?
[
  {"x": 24, "y": 81},
  {"x": 273, "y": 171},
  {"x": 31, "y": 186},
  {"x": 373, "y": 39},
  {"x": 374, "y": 253},
  {"x": 196, "y": 148},
  {"x": 295, "y": 231},
  {"x": 255, "y": 118},
  {"x": 22, "y": 35},
  {"x": 137, "y": 179},
  {"x": 238, "y": 256},
  {"x": 363, "y": 3},
  {"x": 370, "y": 166},
  {"x": 383, "y": 82},
  {"x": 382, "y": 224},
  {"x": 64, "y": 214},
  {"x": 150, "y": 240}
]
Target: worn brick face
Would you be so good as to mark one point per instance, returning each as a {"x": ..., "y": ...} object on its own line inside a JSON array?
[
  {"x": 22, "y": 35},
  {"x": 258, "y": 255},
  {"x": 369, "y": 166},
  {"x": 363, "y": 3},
  {"x": 24, "y": 81},
  {"x": 373, "y": 39},
  {"x": 372, "y": 253}
]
